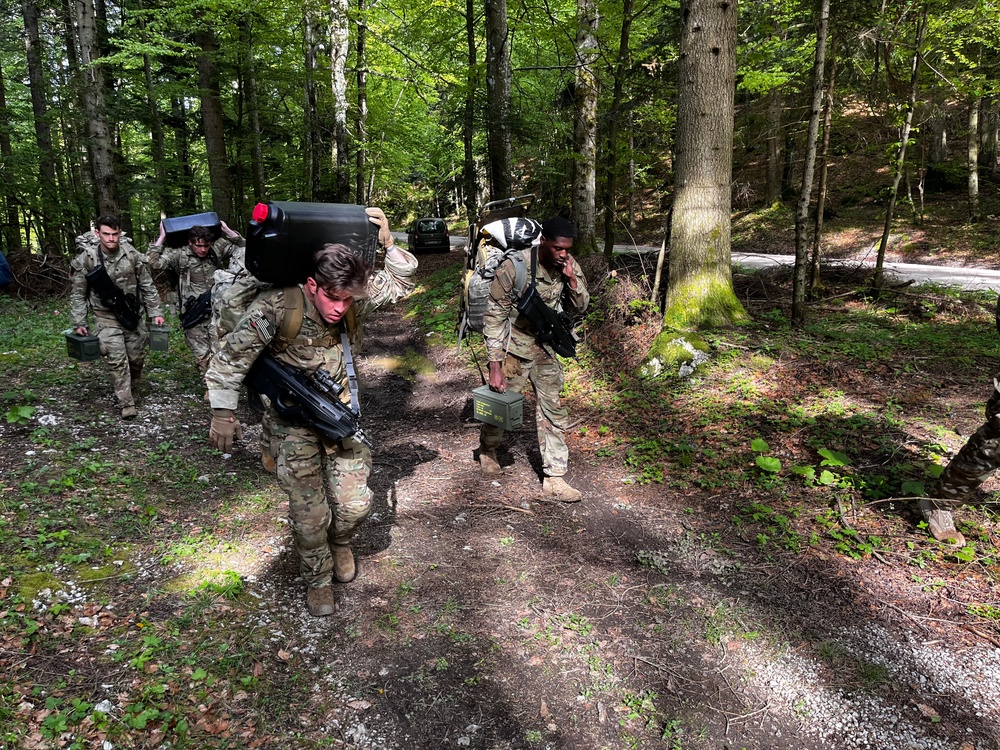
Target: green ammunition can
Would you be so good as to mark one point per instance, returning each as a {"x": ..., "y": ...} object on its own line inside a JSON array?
[
  {"x": 500, "y": 409},
  {"x": 83, "y": 348},
  {"x": 159, "y": 338}
]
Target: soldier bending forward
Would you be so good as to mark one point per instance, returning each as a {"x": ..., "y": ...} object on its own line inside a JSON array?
[{"x": 324, "y": 515}]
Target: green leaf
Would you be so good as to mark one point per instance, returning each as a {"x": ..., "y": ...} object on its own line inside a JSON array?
[
  {"x": 935, "y": 470},
  {"x": 759, "y": 445},
  {"x": 912, "y": 489},
  {"x": 833, "y": 458},
  {"x": 199, "y": 674},
  {"x": 827, "y": 478},
  {"x": 767, "y": 463},
  {"x": 966, "y": 554},
  {"x": 806, "y": 471}
]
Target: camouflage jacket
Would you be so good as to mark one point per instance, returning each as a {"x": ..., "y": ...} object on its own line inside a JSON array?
[
  {"x": 127, "y": 268},
  {"x": 507, "y": 331},
  {"x": 194, "y": 275},
  {"x": 317, "y": 343}
]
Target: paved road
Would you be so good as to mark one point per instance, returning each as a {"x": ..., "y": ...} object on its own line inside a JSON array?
[{"x": 964, "y": 278}]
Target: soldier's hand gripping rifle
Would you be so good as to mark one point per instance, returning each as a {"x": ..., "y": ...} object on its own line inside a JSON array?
[{"x": 306, "y": 398}]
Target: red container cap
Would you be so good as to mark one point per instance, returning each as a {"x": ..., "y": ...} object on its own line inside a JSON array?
[{"x": 260, "y": 212}]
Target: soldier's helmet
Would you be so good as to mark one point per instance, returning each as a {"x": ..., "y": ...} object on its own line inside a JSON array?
[{"x": 516, "y": 233}]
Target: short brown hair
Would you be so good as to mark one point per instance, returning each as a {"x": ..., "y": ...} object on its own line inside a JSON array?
[
  {"x": 339, "y": 270},
  {"x": 107, "y": 220},
  {"x": 201, "y": 233}
]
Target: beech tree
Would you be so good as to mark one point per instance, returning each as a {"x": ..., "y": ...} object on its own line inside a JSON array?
[{"x": 700, "y": 288}]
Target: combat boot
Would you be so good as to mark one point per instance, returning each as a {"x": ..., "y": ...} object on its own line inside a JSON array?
[
  {"x": 941, "y": 524},
  {"x": 556, "y": 488},
  {"x": 129, "y": 411},
  {"x": 344, "y": 569},
  {"x": 319, "y": 600},
  {"x": 488, "y": 463}
]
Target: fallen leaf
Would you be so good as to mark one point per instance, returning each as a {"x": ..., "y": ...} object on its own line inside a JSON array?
[
  {"x": 928, "y": 712},
  {"x": 359, "y": 705},
  {"x": 544, "y": 710},
  {"x": 284, "y": 655}
]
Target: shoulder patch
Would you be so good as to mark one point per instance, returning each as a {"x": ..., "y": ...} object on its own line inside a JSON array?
[{"x": 264, "y": 327}]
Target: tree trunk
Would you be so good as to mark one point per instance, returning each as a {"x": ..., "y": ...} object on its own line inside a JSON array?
[
  {"x": 988, "y": 134},
  {"x": 311, "y": 138},
  {"x": 98, "y": 130},
  {"x": 253, "y": 111},
  {"x": 700, "y": 290},
  {"x": 469, "y": 117},
  {"x": 973, "y": 160},
  {"x": 775, "y": 141},
  {"x": 612, "y": 162},
  {"x": 808, "y": 167},
  {"x": 182, "y": 154},
  {"x": 878, "y": 275},
  {"x": 10, "y": 228},
  {"x": 43, "y": 135},
  {"x": 938, "y": 135},
  {"x": 498, "y": 98},
  {"x": 585, "y": 130},
  {"x": 814, "y": 280},
  {"x": 79, "y": 177},
  {"x": 361, "y": 115},
  {"x": 158, "y": 146},
  {"x": 213, "y": 122},
  {"x": 339, "y": 47}
]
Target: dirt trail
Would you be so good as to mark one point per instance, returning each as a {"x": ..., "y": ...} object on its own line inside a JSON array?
[{"x": 485, "y": 618}]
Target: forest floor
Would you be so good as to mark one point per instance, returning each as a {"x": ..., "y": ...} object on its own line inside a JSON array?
[{"x": 738, "y": 574}]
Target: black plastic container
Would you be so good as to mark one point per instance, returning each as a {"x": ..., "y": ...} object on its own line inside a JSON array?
[
  {"x": 177, "y": 228},
  {"x": 283, "y": 236}
]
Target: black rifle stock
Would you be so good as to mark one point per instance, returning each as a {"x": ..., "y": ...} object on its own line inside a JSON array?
[
  {"x": 551, "y": 327},
  {"x": 196, "y": 309},
  {"x": 125, "y": 306},
  {"x": 305, "y": 398}
]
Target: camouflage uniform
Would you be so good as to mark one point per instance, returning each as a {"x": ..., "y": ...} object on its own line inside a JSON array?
[
  {"x": 974, "y": 463},
  {"x": 125, "y": 350},
  {"x": 195, "y": 276},
  {"x": 304, "y": 460},
  {"x": 524, "y": 359}
]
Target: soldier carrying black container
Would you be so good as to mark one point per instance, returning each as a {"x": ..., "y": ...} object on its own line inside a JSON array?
[
  {"x": 195, "y": 265},
  {"x": 111, "y": 279},
  {"x": 325, "y": 475}
]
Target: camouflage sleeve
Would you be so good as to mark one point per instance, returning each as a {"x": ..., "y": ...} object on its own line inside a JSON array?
[
  {"x": 78, "y": 291},
  {"x": 578, "y": 299},
  {"x": 225, "y": 247},
  {"x": 161, "y": 259},
  {"x": 392, "y": 283},
  {"x": 147, "y": 288},
  {"x": 237, "y": 351},
  {"x": 500, "y": 312}
]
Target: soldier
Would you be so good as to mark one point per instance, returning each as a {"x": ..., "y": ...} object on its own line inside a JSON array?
[
  {"x": 195, "y": 267},
  {"x": 120, "y": 325},
  {"x": 516, "y": 357},
  {"x": 972, "y": 466},
  {"x": 323, "y": 520}
]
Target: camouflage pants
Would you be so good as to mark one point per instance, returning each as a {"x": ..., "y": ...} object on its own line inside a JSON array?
[
  {"x": 126, "y": 352},
  {"x": 974, "y": 464},
  {"x": 199, "y": 341},
  {"x": 328, "y": 495},
  {"x": 546, "y": 376}
]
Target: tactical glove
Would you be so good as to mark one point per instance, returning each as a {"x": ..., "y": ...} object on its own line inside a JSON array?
[
  {"x": 377, "y": 217},
  {"x": 225, "y": 430}
]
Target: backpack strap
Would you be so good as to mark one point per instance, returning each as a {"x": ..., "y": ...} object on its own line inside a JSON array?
[{"x": 291, "y": 322}]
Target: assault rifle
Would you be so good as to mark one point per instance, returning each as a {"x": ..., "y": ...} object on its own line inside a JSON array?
[
  {"x": 307, "y": 398},
  {"x": 196, "y": 309},
  {"x": 551, "y": 327},
  {"x": 125, "y": 306}
]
